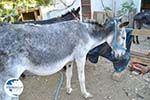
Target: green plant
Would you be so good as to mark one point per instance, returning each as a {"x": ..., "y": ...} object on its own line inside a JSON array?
[
  {"x": 7, "y": 14},
  {"x": 8, "y": 8},
  {"x": 44, "y": 2},
  {"x": 126, "y": 7}
]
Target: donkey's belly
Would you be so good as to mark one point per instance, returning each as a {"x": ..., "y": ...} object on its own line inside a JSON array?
[{"x": 50, "y": 68}]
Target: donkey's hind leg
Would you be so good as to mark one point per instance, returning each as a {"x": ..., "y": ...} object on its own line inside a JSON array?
[
  {"x": 69, "y": 67},
  {"x": 137, "y": 40},
  {"x": 134, "y": 39},
  {"x": 80, "y": 61}
]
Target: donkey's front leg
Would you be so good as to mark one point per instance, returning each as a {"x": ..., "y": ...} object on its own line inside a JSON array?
[
  {"x": 80, "y": 61},
  {"x": 69, "y": 67}
]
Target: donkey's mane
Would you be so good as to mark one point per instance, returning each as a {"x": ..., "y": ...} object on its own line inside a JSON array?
[
  {"x": 1, "y": 24},
  {"x": 105, "y": 29},
  {"x": 94, "y": 23}
]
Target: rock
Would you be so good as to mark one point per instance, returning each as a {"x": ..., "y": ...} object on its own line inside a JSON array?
[
  {"x": 127, "y": 91},
  {"x": 107, "y": 97},
  {"x": 135, "y": 73},
  {"x": 139, "y": 96},
  {"x": 133, "y": 99},
  {"x": 118, "y": 76},
  {"x": 146, "y": 78}
]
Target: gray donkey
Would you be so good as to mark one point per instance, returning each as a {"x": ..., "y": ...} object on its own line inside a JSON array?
[{"x": 45, "y": 49}]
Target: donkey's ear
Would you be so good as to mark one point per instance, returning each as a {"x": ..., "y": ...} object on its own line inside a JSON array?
[
  {"x": 78, "y": 9},
  {"x": 123, "y": 24}
]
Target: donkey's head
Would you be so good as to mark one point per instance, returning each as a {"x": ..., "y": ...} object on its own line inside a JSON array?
[
  {"x": 117, "y": 36},
  {"x": 73, "y": 14}
]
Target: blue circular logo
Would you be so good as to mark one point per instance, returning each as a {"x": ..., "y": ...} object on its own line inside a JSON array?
[{"x": 13, "y": 87}]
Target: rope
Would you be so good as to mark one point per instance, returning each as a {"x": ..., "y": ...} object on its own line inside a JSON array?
[
  {"x": 104, "y": 8},
  {"x": 59, "y": 85},
  {"x": 103, "y": 5},
  {"x": 66, "y": 6},
  {"x": 115, "y": 42},
  {"x": 75, "y": 16}
]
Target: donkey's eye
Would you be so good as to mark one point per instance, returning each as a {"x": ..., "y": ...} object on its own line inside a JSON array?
[
  {"x": 120, "y": 31},
  {"x": 123, "y": 38}
]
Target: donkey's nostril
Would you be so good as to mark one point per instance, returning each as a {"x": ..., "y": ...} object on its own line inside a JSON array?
[
  {"x": 123, "y": 38},
  {"x": 122, "y": 53}
]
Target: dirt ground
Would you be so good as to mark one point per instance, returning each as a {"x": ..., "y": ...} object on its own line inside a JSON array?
[{"x": 98, "y": 82}]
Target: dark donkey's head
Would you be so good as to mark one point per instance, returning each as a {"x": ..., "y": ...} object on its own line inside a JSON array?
[
  {"x": 140, "y": 19},
  {"x": 73, "y": 14}
]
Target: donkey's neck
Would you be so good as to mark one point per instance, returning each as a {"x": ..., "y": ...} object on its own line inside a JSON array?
[{"x": 100, "y": 32}]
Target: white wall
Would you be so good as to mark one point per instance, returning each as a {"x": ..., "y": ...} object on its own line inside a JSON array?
[
  {"x": 59, "y": 10},
  {"x": 137, "y": 4},
  {"x": 95, "y": 6}
]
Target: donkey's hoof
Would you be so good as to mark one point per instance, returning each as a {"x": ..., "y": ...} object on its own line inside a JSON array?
[
  {"x": 69, "y": 90},
  {"x": 88, "y": 95}
]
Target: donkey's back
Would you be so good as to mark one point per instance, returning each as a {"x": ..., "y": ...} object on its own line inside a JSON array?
[{"x": 43, "y": 44}]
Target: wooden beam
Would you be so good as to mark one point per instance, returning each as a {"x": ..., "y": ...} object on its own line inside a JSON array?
[{"x": 140, "y": 57}]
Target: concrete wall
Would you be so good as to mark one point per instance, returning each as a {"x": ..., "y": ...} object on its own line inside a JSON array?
[
  {"x": 137, "y": 4},
  {"x": 96, "y": 5}
]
